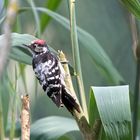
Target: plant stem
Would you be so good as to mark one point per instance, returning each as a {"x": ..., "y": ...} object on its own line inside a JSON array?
[
  {"x": 76, "y": 55},
  {"x": 25, "y": 118},
  {"x": 134, "y": 33},
  {"x": 136, "y": 100},
  {"x": 13, "y": 107},
  {"x": 5, "y": 45},
  {"x": 136, "y": 50},
  {"x": 1, "y": 122},
  {"x": 88, "y": 132},
  {"x": 36, "y": 16},
  {"x": 12, "y": 129}
]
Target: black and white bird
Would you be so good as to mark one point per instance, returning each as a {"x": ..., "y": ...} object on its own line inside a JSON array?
[{"x": 50, "y": 73}]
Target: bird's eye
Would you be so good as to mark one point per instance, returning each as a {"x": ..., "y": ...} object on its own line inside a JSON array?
[
  {"x": 38, "y": 48},
  {"x": 35, "y": 45}
]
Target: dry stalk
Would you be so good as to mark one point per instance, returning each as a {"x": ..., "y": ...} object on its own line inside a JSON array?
[
  {"x": 25, "y": 118},
  {"x": 88, "y": 133}
]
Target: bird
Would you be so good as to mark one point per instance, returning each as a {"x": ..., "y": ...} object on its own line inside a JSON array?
[{"x": 50, "y": 74}]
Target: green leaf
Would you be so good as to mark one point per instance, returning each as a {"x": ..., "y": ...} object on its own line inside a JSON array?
[
  {"x": 64, "y": 138},
  {"x": 92, "y": 47},
  {"x": 94, "y": 115},
  {"x": 17, "y": 129},
  {"x": 133, "y": 6},
  {"x": 92, "y": 109},
  {"x": 5, "y": 92},
  {"x": 18, "y": 52},
  {"x": 52, "y": 5},
  {"x": 36, "y": 17},
  {"x": 52, "y": 127},
  {"x": 23, "y": 76},
  {"x": 6, "y": 2},
  {"x": 114, "y": 109}
]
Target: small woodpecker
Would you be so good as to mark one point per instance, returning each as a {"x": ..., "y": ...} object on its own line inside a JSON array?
[{"x": 50, "y": 73}]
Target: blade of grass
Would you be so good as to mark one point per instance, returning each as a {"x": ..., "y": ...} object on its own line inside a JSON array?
[
  {"x": 36, "y": 89},
  {"x": 94, "y": 118},
  {"x": 52, "y": 5},
  {"x": 4, "y": 102},
  {"x": 17, "y": 26},
  {"x": 76, "y": 55},
  {"x": 13, "y": 107},
  {"x": 136, "y": 101},
  {"x": 5, "y": 97},
  {"x": 13, "y": 120},
  {"x": 134, "y": 32},
  {"x": 133, "y": 6},
  {"x": 1, "y": 120},
  {"x": 36, "y": 16},
  {"x": 22, "y": 74},
  {"x": 114, "y": 109},
  {"x": 92, "y": 109}
]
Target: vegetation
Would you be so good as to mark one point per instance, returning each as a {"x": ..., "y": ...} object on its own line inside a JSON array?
[{"x": 107, "y": 63}]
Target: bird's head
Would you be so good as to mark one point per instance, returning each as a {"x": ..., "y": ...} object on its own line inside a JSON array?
[{"x": 37, "y": 47}]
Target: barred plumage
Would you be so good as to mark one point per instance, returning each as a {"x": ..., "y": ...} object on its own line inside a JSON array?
[{"x": 50, "y": 74}]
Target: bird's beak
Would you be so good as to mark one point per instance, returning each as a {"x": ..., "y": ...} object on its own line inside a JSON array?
[{"x": 26, "y": 46}]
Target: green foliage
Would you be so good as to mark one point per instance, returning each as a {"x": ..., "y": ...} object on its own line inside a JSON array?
[
  {"x": 17, "y": 129},
  {"x": 5, "y": 91},
  {"x": 44, "y": 19},
  {"x": 93, "y": 115},
  {"x": 110, "y": 104},
  {"x": 114, "y": 109},
  {"x": 52, "y": 128},
  {"x": 133, "y": 6},
  {"x": 36, "y": 17},
  {"x": 18, "y": 52}
]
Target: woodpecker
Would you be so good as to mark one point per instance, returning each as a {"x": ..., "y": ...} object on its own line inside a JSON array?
[{"x": 50, "y": 73}]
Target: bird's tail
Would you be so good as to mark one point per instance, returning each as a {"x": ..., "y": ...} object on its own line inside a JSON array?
[{"x": 69, "y": 101}]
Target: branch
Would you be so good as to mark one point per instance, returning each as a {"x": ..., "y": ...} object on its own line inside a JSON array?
[
  {"x": 88, "y": 133},
  {"x": 25, "y": 118}
]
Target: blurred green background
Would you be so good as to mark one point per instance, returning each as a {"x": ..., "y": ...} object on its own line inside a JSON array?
[{"x": 108, "y": 21}]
